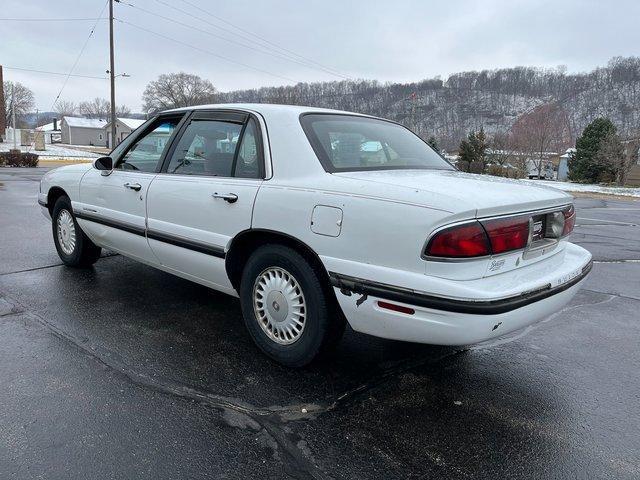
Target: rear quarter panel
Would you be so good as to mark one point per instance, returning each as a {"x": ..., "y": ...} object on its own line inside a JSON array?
[{"x": 373, "y": 231}]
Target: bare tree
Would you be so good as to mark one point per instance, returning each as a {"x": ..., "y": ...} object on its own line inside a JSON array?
[
  {"x": 18, "y": 96},
  {"x": 96, "y": 108},
  {"x": 622, "y": 155},
  {"x": 544, "y": 129},
  {"x": 611, "y": 156},
  {"x": 504, "y": 152},
  {"x": 123, "y": 111},
  {"x": 65, "y": 108},
  {"x": 174, "y": 90}
]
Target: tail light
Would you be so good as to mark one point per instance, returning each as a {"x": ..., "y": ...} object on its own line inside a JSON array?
[
  {"x": 499, "y": 235},
  {"x": 507, "y": 234},
  {"x": 569, "y": 220},
  {"x": 460, "y": 241}
]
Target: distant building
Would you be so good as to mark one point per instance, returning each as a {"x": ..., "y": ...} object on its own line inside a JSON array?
[
  {"x": 51, "y": 132},
  {"x": 124, "y": 127},
  {"x": 83, "y": 131},
  {"x": 563, "y": 165}
]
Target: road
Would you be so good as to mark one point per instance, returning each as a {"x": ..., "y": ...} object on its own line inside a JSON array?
[{"x": 123, "y": 371}]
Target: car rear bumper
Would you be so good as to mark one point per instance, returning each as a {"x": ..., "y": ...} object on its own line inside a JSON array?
[{"x": 444, "y": 320}]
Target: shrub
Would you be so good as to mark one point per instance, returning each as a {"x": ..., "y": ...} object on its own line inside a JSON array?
[{"x": 18, "y": 159}]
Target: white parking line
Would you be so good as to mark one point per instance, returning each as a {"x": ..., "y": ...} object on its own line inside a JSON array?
[{"x": 606, "y": 221}]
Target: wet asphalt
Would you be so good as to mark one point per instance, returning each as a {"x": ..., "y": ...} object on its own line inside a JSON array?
[{"x": 123, "y": 371}]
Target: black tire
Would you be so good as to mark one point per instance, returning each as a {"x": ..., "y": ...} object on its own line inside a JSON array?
[
  {"x": 84, "y": 253},
  {"x": 323, "y": 322}
]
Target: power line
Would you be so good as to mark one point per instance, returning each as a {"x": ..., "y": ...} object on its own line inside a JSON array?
[
  {"x": 53, "y": 73},
  {"x": 93, "y": 28},
  {"x": 288, "y": 54},
  {"x": 250, "y": 47},
  {"x": 208, "y": 52},
  {"x": 87, "y": 19}
]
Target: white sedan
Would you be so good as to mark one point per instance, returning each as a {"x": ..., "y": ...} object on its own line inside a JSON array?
[{"x": 317, "y": 217}]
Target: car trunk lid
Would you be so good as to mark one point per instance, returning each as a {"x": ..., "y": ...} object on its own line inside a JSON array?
[{"x": 459, "y": 192}]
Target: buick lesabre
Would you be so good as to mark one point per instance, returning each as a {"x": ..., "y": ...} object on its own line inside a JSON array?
[{"x": 315, "y": 218}]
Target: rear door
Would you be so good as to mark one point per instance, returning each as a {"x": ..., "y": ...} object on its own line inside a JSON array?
[
  {"x": 112, "y": 208},
  {"x": 205, "y": 193}
]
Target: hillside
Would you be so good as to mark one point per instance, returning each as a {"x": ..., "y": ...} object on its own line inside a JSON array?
[{"x": 493, "y": 99}]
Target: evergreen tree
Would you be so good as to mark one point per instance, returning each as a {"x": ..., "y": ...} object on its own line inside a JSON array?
[
  {"x": 473, "y": 152},
  {"x": 433, "y": 143},
  {"x": 585, "y": 165}
]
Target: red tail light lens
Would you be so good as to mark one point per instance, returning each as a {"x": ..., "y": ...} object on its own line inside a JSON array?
[
  {"x": 569, "y": 220},
  {"x": 461, "y": 241},
  {"x": 507, "y": 234}
]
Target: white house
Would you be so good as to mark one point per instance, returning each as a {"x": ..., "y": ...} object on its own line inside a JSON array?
[
  {"x": 83, "y": 131},
  {"x": 124, "y": 127}
]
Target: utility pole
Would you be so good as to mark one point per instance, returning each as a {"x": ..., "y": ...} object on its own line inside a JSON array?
[
  {"x": 3, "y": 117},
  {"x": 13, "y": 114},
  {"x": 112, "y": 75}
]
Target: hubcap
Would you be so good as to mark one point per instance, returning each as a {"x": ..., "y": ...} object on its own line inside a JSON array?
[
  {"x": 66, "y": 231},
  {"x": 279, "y": 305}
]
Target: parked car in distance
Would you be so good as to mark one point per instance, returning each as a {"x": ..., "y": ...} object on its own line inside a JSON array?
[{"x": 314, "y": 218}]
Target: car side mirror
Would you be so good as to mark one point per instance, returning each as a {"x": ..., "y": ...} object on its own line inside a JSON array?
[{"x": 105, "y": 164}]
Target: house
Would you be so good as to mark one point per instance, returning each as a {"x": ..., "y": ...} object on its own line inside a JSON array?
[
  {"x": 83, "y": 131},
  {"x": 51, "y": 132},
  {"x": 563, "y": 165},
  {"x": 124, "y": 127}
]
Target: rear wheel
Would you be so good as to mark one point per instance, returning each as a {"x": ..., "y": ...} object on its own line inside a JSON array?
[
  {"x": 287, "y": 310},
  {"x": 73, "y": 246}
]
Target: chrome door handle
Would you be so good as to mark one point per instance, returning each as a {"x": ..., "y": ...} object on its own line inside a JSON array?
[
  {"x": 227, "y": 197},
  {"x": 133, "y": 186}
]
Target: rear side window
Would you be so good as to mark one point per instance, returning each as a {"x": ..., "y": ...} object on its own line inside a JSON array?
[
  {"x": 249, "y": 160},
  {"x": 353, "y": 143},
  {"x": 207, "y": 147},
  {"x": 218, "y": 148}
]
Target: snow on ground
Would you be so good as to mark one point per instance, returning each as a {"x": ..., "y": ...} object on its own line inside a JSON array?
[
  {"x": 580, "y": 187},
  {"x": 55, "y": 150}
]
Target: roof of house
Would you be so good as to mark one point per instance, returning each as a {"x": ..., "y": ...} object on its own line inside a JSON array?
[
  {"x": 132, "y": 123},
  {"x": 48, "y": 127},
  {"x": 81, "y": 122}
]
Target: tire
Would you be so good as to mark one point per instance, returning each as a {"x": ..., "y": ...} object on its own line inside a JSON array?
[
  {"x": 73, "y": 246},
  {"x": 287, "y": 287}
]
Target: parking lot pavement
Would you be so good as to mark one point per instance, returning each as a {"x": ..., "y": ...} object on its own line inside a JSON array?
[{"x": 123, "y": 371}]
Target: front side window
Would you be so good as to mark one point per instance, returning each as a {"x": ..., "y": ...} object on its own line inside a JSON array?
[
  {"x": 207, "y": 147},
  {"x": 352, "y": 143},
  {"x": 145, "y": 153}
]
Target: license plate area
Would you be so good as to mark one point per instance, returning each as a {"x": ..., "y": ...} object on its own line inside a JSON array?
[{"x": 538, "y": 227}]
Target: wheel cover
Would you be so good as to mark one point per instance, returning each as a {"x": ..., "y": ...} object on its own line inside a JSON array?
[
  {"x": 66, "y": 231},
  {"x": 279, "y": 305}
]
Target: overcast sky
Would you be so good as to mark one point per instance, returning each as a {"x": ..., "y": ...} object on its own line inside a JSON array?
[{"x": 402, "y": 40}]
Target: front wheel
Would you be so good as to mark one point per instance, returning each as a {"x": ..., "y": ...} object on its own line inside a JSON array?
[
  {"x": 73, "y": 246},
  {"x": 288, "y": 313}
]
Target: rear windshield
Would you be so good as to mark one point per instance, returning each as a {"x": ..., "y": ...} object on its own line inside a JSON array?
[{"x": 346, "y": 143}]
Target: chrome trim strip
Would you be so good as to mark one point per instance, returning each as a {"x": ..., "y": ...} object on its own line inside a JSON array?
[
  {"x": 349, "y": 285},
  {"x": 189, "y": 244}
]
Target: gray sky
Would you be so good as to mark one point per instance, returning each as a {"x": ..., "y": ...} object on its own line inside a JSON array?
[{"x": 403, "y": 40}]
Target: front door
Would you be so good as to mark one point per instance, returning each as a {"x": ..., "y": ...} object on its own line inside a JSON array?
[
  {"x": 112, "y": 207},
  {"x": 205, "y": 193}
]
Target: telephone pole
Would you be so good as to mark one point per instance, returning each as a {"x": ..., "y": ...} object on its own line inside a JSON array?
[
  {"x": 13, "y": 115},
  {"x": 112, "y": 75}
]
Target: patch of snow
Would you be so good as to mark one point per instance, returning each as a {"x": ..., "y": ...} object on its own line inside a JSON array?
[
  {"x": 55, "y": 150},
  {"x": 580, "y": 187}
]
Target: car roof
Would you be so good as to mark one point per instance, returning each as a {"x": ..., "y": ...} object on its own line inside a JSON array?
[{"x": 265, "y": 108}]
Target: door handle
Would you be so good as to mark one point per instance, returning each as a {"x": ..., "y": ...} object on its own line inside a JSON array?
[
  {"x": 133, "y": 186},
  {"x": 227, "y": 197}
]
